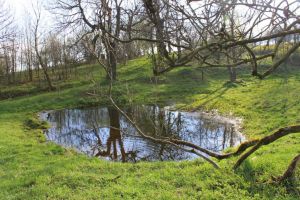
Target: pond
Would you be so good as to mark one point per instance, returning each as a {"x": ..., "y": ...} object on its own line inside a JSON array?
[{"x": 103, "y": 132}]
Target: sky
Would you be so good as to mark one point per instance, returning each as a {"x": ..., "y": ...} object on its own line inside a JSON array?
[{"x": 21, "y": 8}]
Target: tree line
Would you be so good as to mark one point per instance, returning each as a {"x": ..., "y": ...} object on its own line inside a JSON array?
[{"x": 211, "y": 33}]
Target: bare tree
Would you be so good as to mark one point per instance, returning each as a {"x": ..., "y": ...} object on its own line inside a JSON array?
[
  {"x": 104, "y": 24},
  {"x": 6, "y": 36},
  {"x": 6, "y": 22},
  {"x": 42, "y": 63},
  {"x": 204, "y": 34},
  {"x": 28, "y": 47}
]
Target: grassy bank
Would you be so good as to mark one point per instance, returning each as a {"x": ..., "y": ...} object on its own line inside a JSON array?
[{"x": 31, "y": 168}]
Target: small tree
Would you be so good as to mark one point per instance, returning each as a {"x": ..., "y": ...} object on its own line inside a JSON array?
[{"x": 37, "y": 50}]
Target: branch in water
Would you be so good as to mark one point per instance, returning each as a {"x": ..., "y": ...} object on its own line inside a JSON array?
[{"x": 160, "y": 140}]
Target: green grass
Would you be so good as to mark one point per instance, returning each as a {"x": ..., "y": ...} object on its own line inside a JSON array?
[{"x": 31, "y": 168}]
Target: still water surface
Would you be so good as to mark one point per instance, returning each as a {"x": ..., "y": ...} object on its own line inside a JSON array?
[{"x": 103, "y": 132}]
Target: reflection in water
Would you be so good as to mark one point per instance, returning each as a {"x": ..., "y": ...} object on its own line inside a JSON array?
[
  {"x": 113, "y": 138},
  {"x": 103, "y": 132}
]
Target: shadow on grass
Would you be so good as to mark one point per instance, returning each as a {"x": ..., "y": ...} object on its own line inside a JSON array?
[
  {"x": 247, "y": 171},
  {"x": 293, "y": 186},
  {"x": 216, "y": 94},
  {"x": 251, "y": 175}
]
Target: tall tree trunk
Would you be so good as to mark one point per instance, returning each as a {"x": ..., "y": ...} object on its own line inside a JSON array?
[
  {"x": 112, "y": 61},
  {"x": 44, "y": 67},
  {"x": 40, "y": 59},
  {"x": 29, "y": 64},
  {"x": 232, "y": 74},
  {"x": 7, "y": 68},
  {"x": 232, "y": 70},
  {"x": 13, "y": 64}
]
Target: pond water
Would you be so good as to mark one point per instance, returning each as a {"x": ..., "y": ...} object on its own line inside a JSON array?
[{"x": 103, "y": 132}]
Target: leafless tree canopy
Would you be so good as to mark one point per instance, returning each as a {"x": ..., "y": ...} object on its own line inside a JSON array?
[
  {"x": 214, "y": 33},
  {"x": 6, "y": 22},
  {"x": 175, "y": 33}
]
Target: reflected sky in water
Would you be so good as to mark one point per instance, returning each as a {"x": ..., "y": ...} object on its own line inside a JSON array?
[{"x": 104, "y": 133}]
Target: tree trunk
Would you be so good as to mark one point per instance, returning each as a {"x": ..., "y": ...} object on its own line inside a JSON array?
[
  {"x": 232, "y": 74},
  {"x": 40, "y": 59},
  {"x": 30, "y": 71},
  {"x": 44, "y": 68},
  {"x": 7, "y": 68},
  {"x": 112, "y": 62}
]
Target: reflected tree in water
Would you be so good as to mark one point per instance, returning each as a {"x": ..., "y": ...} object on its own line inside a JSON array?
[
  {"x": 114, "y": 138},
  {"x": 103, "y": 132}
]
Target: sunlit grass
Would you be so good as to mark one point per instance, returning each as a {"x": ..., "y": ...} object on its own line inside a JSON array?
[{"x": 31, "y": 168}]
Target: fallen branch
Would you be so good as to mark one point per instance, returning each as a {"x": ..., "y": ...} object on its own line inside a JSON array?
[
  {"x": 280, "y": 61},
  {"x": 175, "y": 142},
  {"x": 160, "y": 140},
  {"x": 218, "y": 156},
  {"x": 290, "y": 170},
  {"x": 267, "y": 140}
]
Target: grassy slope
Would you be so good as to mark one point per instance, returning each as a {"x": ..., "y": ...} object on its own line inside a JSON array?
[{"x": 33, "y": 169}]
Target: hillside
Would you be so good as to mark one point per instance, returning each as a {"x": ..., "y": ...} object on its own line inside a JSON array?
[{"x": 32, "y": 167}]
